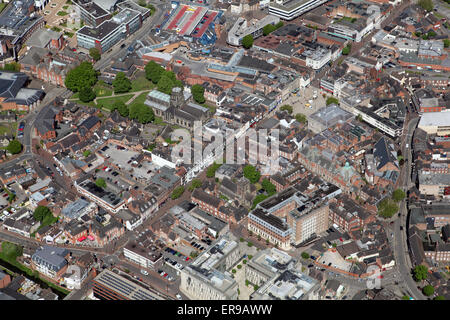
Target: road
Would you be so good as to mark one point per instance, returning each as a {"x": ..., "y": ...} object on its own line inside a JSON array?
[
  {"x": 400, "y": 247},
  {"x": 151, "y": 21}
]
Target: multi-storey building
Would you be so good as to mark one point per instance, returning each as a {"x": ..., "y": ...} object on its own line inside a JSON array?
[
  {"x": 111, "y": 286},
  {"x": 290, "y": 9},
  {"x": 206, "y": 277},
  {"x": 104, "y": 198},
  {"x": 50, "y": 261}
]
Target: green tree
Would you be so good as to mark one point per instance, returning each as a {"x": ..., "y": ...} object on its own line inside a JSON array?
[
  {"x": 86, "y": 153},
  {"x": 439, "y": 298},
  {"x": 426, "y": 5},
  {"x": 142, "y": 113},
  {"x": 101, "y": 183},
  {"x": 247, "y": 41},
  {"x": 211, "y": 171},
  {"x": 331, "y": 100},
  {"x": 153, "y": 71},
  {"x": 198, "y": 93},
  {"x": 94, "y": 53},
  {"x": 305, "y": 255},
  {"x": 121, "y": 83},
  {"x": 121, "y": 107},
  {"x": 428, "y": 290},
  {"x": 301, "y": 118},
  {"x": 387, "y": 208},
  {"x": 258, "y": 199},
  {"x": 196, "y": 183},
  {"x": 165, "y": 84},
  {"x": 398, "y": 195},
  {"x": 14, "y": 146},
  {"x": 177, "y": 192},
  {"x": 287, "y": 108},
  {"x": 346, "y": 50},
  {"x": 269, "y": 187},
  {"x": 87, "y": 94},
  {"x": 255, "y": 287},
  {"x": 193, "y": 254},
  {"x": 41, "y": 212},
  {"x": 13, "y": 66},
  {"x": 11, "y": 250},
  {"x": 268, "y": 29},
  {"x": 239, "y": 266},
  {"x": 405, "y": 297},
  {"x": 251, "y": 173},
  {"x": 446, "y": 43},
  {"x": 420, "y": 273},
  {"x": 80, "y": 77}
]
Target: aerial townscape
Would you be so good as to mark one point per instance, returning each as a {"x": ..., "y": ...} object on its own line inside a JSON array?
[{"x": 225, "y": 150}]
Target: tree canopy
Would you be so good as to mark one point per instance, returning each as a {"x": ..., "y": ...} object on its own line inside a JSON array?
[
  {"x": 428, "y": 290},
  {"x": 251, "y": 173},
  {"x": 41, "y": 212},
  {"x": 101, "y": 183},
  {"x": 198, "y": 93},
  {"x": 168, "y": 81},
  {"x": 420, "y": 273},
  {"x": 305, "y": 255},
  {"x": 247, "y": 41},
  {"x": 11, "y": 250},
  {"x": 211, "y": 171},
  {"x": 446, "y": 43},
  {"x": 331, "y": 100},
  {"x": 177, "y": 192},
  {"x": 121, "y": 83},
  {"x": 153, "y": 71},
  {"x": 94, "y": 53},
  {"x": 269, "y": 187},
  {"x": 287, "y": 108},
  {"x": 301, "y": 118},
  {"x": 196, "y": 183},
  {"x": 121, "y": 107},
  {"x": 387, "y": 208},
  {"x": 14, "y": 146},
  {"x": 258, "y": 199},
  {"x": 87, "y": 94},
  {"x": 141, "y": 113},
  {"x": 346, "y": 50},
  {"x": 398, "y": 195},
  {"x": 426, "y": 5},
  {"x": 81, "y": 76}
]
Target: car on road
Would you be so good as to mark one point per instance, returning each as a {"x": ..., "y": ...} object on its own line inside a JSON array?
[
  {"x": 178, "y": 296},
  {"x": 401, "y": 227},
  {"x": 145, "y": 273}
]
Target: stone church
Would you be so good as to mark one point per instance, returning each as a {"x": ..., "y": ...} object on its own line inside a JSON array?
[{"x": 176, "y": 108}]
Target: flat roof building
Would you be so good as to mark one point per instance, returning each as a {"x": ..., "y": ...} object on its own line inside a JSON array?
[
  {"x": 111, "y": 286},
  {"x": 208, "y": 278}
]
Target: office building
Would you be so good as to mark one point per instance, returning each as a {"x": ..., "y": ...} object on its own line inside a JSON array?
[
  {"x": 291, "y": 9},
  {"x": 208, "y": 278}
]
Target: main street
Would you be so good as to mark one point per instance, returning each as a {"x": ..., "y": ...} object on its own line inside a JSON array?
[
  {"x": 152, "y": 21},
  {"x": 400, "y": 247}
]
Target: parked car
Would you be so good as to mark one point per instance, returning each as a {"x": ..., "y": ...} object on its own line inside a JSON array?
[
  {"x": 178, "y": 296},
  {"x": 144, "y": 272}
]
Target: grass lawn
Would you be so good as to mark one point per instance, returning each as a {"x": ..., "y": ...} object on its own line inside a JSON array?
[
  {"x": 159, "y": 121},
  {"x": 108, "y": 102},
  {"x": 8, "y": 128},
  {"x": 69, "y": 34},
  {"x": 139, "y": 99},
  {"x": 101, "y": 91},
  {"x": 90, "y": 104},
  {"x": 2, "y": 6},
  {"x": 62, "y": 13},
  {"x": 141, "y": 83},
  {"x": 210, "y": 107}
]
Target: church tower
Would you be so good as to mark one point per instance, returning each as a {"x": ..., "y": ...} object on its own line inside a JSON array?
[{"x": 177, "y": 97}]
